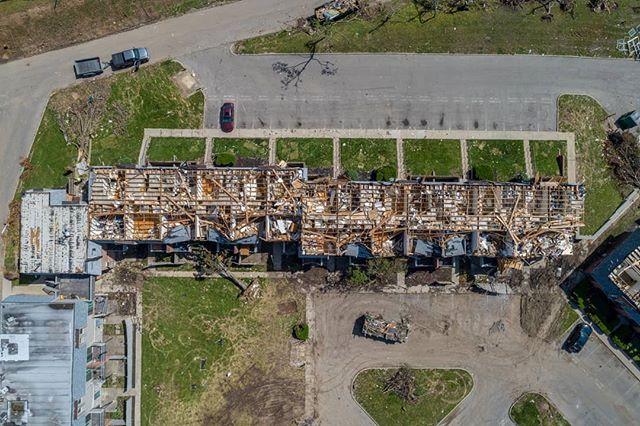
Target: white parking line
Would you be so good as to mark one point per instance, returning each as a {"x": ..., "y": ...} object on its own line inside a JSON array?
[{"x": 635, "y": 385}]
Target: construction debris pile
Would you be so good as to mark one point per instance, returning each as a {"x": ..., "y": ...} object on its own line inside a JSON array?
[
  {"x": 331, "y": 217},
  {"x": 374, "y": 325}
]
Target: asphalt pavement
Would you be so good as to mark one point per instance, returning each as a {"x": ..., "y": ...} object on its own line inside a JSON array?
[
  {"x": 440, "y": 92},
  {"x": 480, "y": 334}
]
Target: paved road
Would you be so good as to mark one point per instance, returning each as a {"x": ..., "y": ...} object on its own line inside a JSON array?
[{"x": 459, "y": 331}]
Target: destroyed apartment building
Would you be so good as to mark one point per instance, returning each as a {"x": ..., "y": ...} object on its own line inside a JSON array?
[{"x": 332, "y": 217}]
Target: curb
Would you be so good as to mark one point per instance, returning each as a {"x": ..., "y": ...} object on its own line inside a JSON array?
[
  {"x": 434, "y": 54},
  {"x": 442, "y": 421}
]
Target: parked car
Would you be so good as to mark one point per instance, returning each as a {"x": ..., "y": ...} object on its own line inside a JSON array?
[
  {"x": 129, "y": 58},
  {"x": 227, "y": 117},
  {"x": 87, "y": 67},
  {"x": 578, "y": 338}
]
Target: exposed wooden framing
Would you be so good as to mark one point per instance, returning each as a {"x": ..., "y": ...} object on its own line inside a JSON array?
[{"x": 327, "y": 215}]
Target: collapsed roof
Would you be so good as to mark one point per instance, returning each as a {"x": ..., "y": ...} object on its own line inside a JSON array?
[{"x": 328, "y": 216}]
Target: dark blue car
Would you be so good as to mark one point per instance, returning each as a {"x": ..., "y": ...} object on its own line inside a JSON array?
[{"x": 578, "y": 338}]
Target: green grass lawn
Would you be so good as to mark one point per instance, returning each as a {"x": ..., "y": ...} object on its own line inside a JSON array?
[
  {"x": 544, "y": 156},
  {"x": 426, "y": 156},
  {"x": 242, "y": 148},
  {"x": 182, "y": 149},
  {"x": 181, "y": 328},
  {"x": 314, "y": 152},
  {"x": 366, "y": 155},
  {"x": 533, "y": 409},
  {"x": 568, "y": 317},
  {"x": 585, "y": 117},
  {"x": 50, "y": 156},
  {"x": 438, "y": 392},
  {"x": 494, "y": 29},
  {"x": 150, "y": 99},
  {"x": 496, "y": 160}
]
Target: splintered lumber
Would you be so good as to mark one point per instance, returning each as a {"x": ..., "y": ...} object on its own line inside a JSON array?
[{"x": 330, "y": 217}]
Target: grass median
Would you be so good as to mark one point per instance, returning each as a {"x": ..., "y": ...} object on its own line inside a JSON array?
[
  {"x": 437, "y": 392},
  {"x": 247, "y": 152},
  {"x": 493, "y": 28},
  {"x": 548, "y": 158},
  {"x": 313, "y": 152},
  {"x": 176, "y": 149},
  {"x": 146, "y": 99},
  {"x": 533, "y": 409},
  {"x": 438, "y": 156},
  {"x": 361, "y": 157},
  {"x": 496, "y": 160}
]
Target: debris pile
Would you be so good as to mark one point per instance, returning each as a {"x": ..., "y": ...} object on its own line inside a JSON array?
[{"x": 375, "y": 325}]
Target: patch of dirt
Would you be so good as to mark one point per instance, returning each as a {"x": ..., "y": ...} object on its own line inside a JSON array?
[
  {"x": 539, "y": 311},
  {"x": 122, "y": 303},
  {"x": 287, "y": 307},
  {"x": 40, "y": 28},
  {"x": 186, "y": 83},
  {"x": 265, "y": 399},
  {"x": 427, "y": 278},
  {"x": 250, "y": 162},
  {"x": 314, "y": 277}
]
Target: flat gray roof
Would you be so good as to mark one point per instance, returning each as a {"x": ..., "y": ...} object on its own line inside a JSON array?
[
  {"x": 45, "y": 378},
  {"x": 53, "y": 233}
]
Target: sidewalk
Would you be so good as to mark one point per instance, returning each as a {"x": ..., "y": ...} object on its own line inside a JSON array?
[{"x": 190, "y": 274}]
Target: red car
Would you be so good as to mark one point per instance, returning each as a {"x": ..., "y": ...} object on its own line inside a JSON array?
[{"x": 226, "y": 117}]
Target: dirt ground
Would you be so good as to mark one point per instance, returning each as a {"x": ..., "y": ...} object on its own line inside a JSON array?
[{"x": 36, "y": 27}]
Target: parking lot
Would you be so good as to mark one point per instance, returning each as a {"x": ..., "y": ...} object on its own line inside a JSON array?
[{"x": 481, "y": 334}]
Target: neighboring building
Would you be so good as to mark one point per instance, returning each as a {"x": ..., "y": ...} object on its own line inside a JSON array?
[
  {"x": 51, "y": 362},
  {"x": 618, "y": 276},
  {"x": 53, "y": 235}
]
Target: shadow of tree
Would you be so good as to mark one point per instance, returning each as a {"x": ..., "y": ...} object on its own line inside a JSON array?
[{"x": 292, "y": 74}]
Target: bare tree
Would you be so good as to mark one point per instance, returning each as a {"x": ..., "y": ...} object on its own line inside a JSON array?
[
  {"x": 623, "y": 155},
  {"x": 80, "y": 120}
]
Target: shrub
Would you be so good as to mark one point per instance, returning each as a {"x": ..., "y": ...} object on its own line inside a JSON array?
[
  {"x": 358, "y": 277},
  {"x": 385, "y": 173},
  {"x": 225, "y": 159},
  {"x": 352, "y": 174},
  {"x": 301, "y": 331}
]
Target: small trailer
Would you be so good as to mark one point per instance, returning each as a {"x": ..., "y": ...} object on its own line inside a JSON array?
[
  {"x": 335, "y": 10},
  {"x": 376, "y": 326},
  {"x": 87, "y": 67}
]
